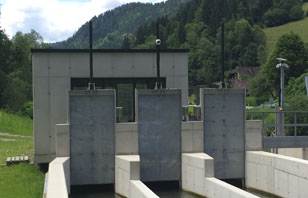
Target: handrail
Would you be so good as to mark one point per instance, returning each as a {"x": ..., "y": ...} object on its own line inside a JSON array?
[{"x": 279, "y": 120}]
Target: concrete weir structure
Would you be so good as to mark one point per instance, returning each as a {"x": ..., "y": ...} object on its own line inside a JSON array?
[
  {"x": 57, "y": 71},
  {"x": 159, "y": 155}
]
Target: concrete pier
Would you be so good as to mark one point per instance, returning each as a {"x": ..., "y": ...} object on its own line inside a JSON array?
[
  {"x": 58, "y": 184},
  {"x": 127, "y": 178},
  {"x": 198, "y": 177}
]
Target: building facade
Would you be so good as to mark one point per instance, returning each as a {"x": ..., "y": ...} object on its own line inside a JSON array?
[{"x": 56, "y": 71}]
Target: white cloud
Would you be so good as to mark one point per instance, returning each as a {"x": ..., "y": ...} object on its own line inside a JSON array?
[{"x": 54, "y": 20}]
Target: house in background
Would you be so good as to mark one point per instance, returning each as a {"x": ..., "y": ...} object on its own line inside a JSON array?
[{"x": 240, "y": 75}]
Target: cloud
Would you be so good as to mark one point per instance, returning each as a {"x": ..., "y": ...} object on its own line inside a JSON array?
[{"x": 54, "y": 20}]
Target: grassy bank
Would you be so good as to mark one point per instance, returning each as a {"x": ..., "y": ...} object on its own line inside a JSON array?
[
  {"x": 21, "y": 180},
  {"x": 16, "y": 139},
  {"x": 274, "y": 33},
  {"x": 15, "y": 124},
  {"x": 15, "y": 146}
]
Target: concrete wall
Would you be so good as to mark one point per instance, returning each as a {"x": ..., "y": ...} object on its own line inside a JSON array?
[
  {"x": 277, "y": 174},
  {"x": 192, "y": 137},
  {"x": 301, "y": 153},
  {"x": 292, "y": 152},
  {"x": 63, "y": 140},
  {"x": 126, "y": 135},
  {"x": 253, "y": 135},
  {"x": 53, "y": 70},
  {"x": 58, "y": 185},
  {"x": 198, "y": 177},
  {"x": 127, "y": 175}
]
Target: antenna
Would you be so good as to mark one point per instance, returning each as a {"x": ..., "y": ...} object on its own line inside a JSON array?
[
  {"x": 223, "y": 55},
  {"x": 158, "y": 43},
  {"x": 91, "y": 84}
]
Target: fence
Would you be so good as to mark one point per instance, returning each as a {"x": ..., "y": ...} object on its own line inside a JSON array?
[{"x": 282, "y": 129}]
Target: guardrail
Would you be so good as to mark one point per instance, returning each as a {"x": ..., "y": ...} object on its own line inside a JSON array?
[{"x": 286, "y": 129}]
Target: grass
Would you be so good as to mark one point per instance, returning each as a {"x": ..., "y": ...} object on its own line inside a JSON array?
[
  {"x": 22, "y": 180},
  {"x": 251, "y": 101},
  {"x": 16, "y": 146},
  {"x": 15, "y": 124},
  {"x": 274, "y": 33}
]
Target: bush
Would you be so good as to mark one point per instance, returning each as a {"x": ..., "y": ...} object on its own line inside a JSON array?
[
  {"x": 297, "y": 103},
  {"x": 27, "y": 109},
  {"x": 297, "y": 12},
  {"x": 275, "y": 17},
  {"x": 251, "y": 101}
]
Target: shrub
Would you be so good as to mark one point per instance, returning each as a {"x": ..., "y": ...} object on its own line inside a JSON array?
[
  {"x": 275, "y": 17},
  {"x": 27, "y": 109},
  {"x": 297, "y": 12}
]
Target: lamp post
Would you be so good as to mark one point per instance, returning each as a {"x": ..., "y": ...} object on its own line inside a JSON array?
[{"x": 282, "y": 65}]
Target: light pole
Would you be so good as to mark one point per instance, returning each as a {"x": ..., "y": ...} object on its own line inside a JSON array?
[{"x": 282, "y": 65}]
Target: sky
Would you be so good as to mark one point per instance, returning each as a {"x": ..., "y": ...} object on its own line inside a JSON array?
[{"x": 54, "y": 20}]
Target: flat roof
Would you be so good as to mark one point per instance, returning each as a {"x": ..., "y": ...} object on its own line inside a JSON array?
[{"x": 109, "y": 50}]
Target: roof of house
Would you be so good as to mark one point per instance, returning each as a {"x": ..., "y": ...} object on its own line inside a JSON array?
[
  {"x": 242, "y": 84},
  {"x": 251, "y": 71}
]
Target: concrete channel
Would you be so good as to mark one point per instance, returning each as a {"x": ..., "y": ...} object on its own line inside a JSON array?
[{"x": 160, "y": 147}]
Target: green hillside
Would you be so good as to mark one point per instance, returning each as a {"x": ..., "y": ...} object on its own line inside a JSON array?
[
  {"x": 274, "y": 33},
  {"x": 111, "y": 27}
]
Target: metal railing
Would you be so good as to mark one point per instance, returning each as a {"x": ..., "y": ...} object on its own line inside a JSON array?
[
  {"x": 191, "y": 113},
  {"x": 281, "y": 119},
  {"x": 286, "y": 129}
]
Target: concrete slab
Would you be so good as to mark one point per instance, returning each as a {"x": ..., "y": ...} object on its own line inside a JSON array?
[
  {"x": 159, "y": 130},
  {"x": 92, "y": 123},
  {"x": 223, "y": 112}
]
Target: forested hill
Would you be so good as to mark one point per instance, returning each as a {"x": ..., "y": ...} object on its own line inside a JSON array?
[
  {"x": 197, "y": 26},
  {"x": 111, "y": 27}
]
